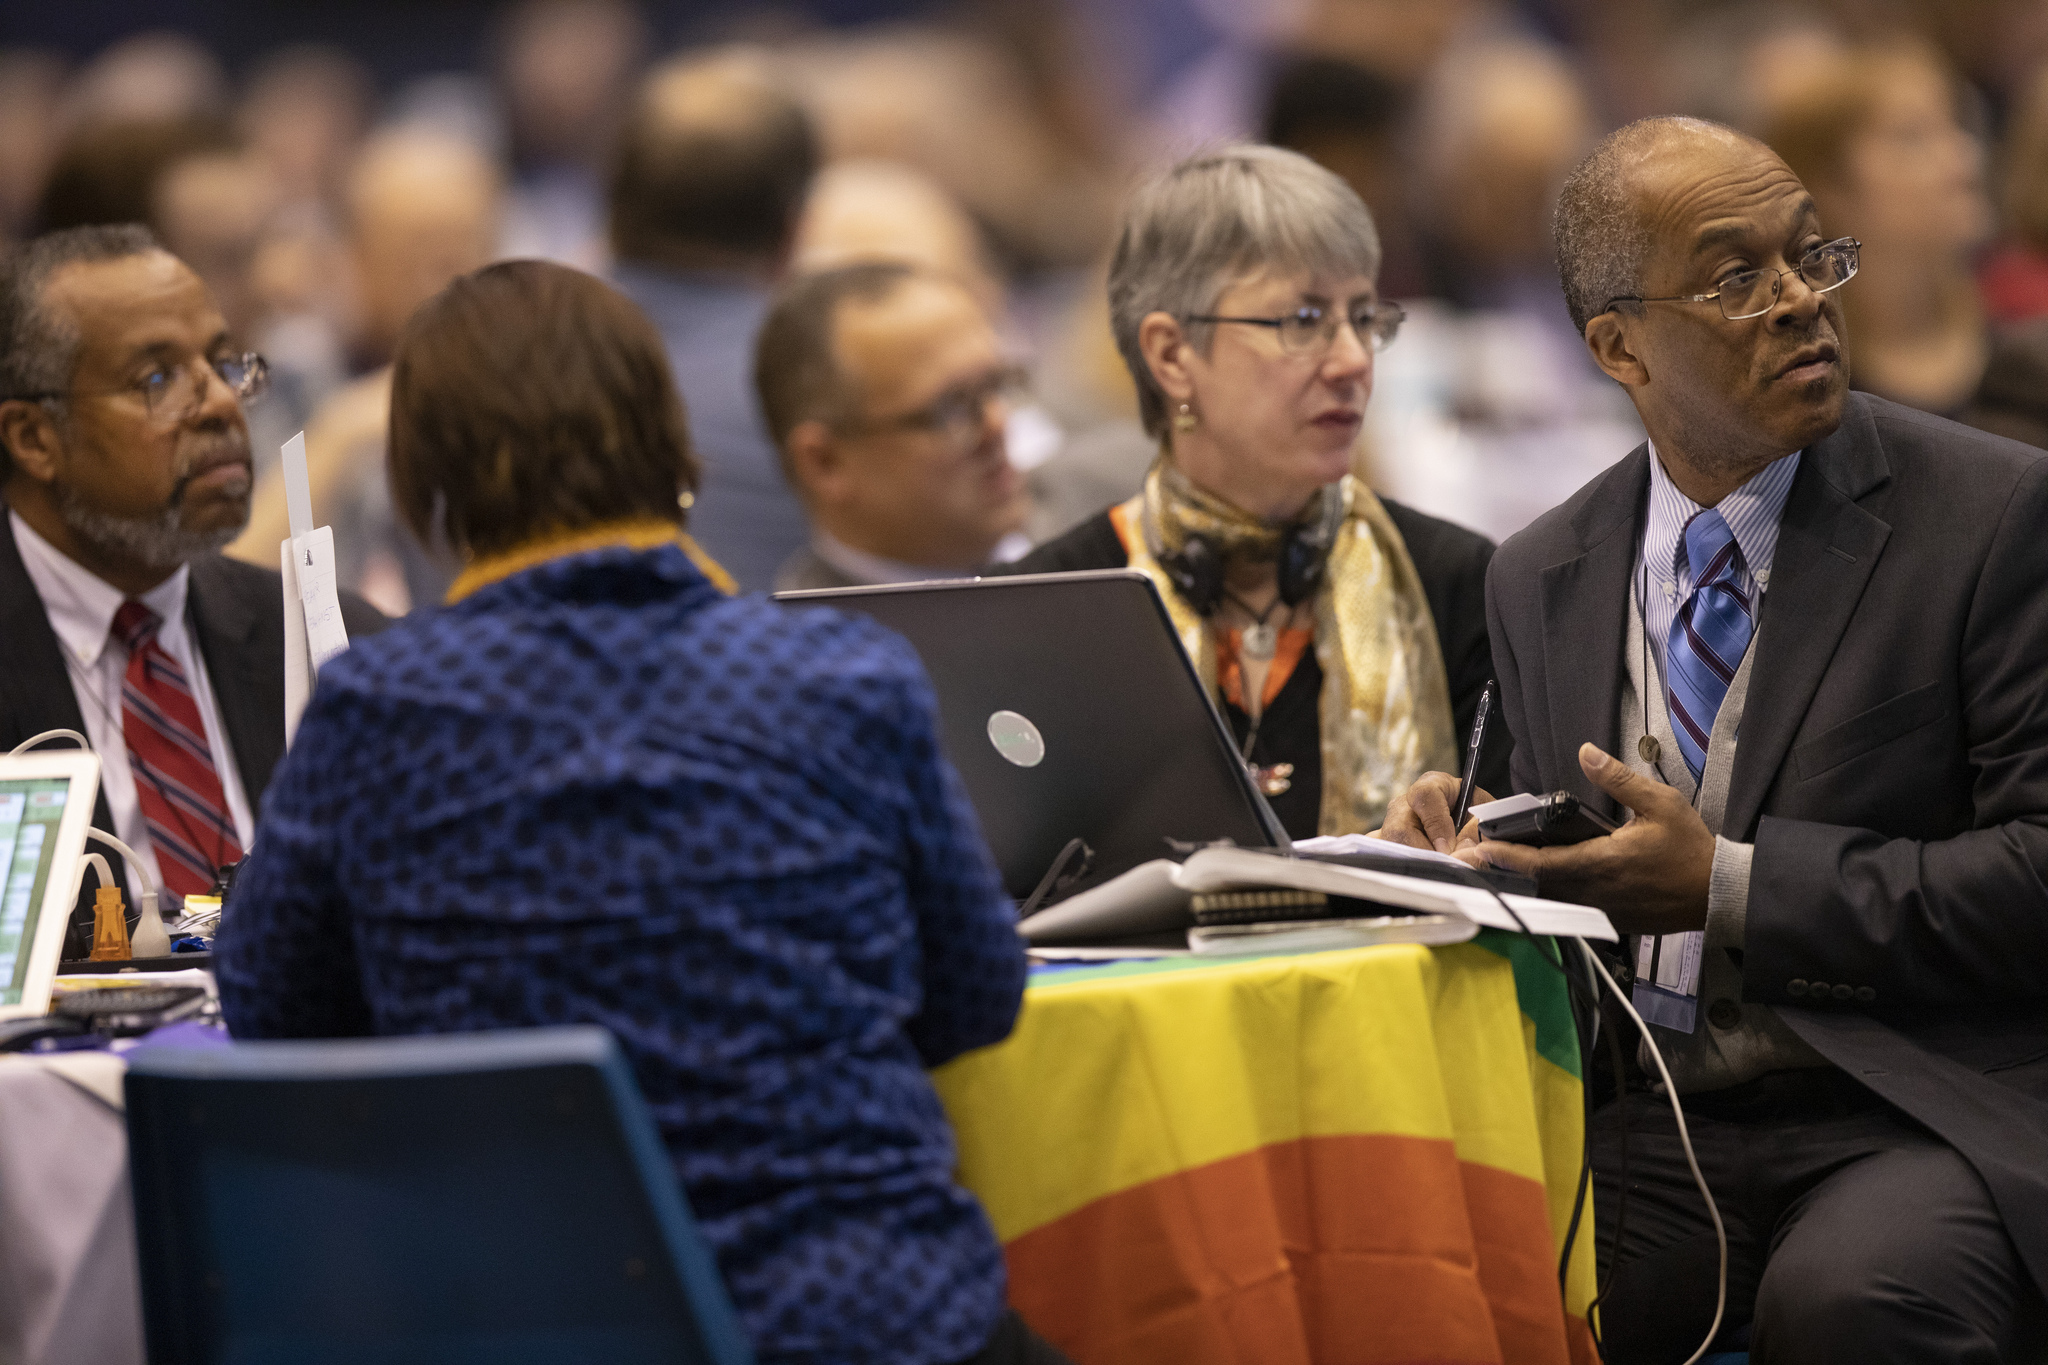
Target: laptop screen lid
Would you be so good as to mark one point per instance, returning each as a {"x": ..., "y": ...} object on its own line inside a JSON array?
[
  {"x": 46, "y": 802},
  {"x": 1071, "y": 711}
]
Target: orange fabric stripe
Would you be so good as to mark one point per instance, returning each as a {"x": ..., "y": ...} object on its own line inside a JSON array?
[
  {"x": 1127, "y": 530},
  {"x": 1288, "y": 647},
  {"x": 1359, "y": 1248}
]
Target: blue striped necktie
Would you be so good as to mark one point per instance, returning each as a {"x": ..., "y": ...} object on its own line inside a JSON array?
[{"x": 1708, "y": 637}]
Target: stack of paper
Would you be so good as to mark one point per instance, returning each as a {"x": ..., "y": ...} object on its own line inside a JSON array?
[{"x": 1154, "y": 897}]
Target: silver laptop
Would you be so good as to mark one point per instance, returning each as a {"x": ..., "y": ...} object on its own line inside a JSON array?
[
  {"x": 1071, "y": 711},
  {"x": 46, "y": 802}
]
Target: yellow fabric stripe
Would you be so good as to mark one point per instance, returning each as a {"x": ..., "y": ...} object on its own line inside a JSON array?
[
  {"x": 1212, "y": 1063},
  {"x": 638, "y": 534}
]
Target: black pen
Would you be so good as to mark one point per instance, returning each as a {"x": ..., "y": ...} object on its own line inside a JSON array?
[{"x": 1472, "y": 759}]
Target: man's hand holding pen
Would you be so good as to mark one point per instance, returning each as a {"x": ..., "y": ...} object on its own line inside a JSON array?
[{"x": 1650, "y": 876}]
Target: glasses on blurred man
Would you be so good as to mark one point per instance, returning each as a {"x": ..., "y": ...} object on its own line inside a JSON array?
[
  {"x": 1312, "y": 330},
  {"x": 170, "y": 394},
  {"x": 1753, "y": 293},
  {"x": 957, "y": 416}
]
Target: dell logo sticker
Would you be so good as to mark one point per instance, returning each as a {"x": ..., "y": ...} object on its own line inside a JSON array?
[{"x": 1016, "y": 739}]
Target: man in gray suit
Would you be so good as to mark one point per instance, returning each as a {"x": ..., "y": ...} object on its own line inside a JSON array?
[
  {"x": 1843, "y": 922},
  {"x": 887, "y": 391}
]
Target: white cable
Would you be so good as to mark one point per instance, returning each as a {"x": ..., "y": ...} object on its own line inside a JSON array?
[
  {"x": 1685, "y": 1141},
  {"x": 97, "y": 864},
  {"x": 150, "y": 894},
  {"x": 34, "y": 740},
  {"x": 115, "y": 844}
]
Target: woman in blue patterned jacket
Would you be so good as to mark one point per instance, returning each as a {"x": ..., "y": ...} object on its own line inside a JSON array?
[{"x": 596, "y": 788}]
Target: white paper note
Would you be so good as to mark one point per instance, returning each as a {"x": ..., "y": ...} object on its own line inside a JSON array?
[
  {"x": 298, "y": 660},
  {"x": 298, "y": 493},
  {"x": 319, "y": 597}
]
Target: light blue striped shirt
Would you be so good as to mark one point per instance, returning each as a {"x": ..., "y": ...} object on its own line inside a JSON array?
[{"x": 1752, "y": 513}]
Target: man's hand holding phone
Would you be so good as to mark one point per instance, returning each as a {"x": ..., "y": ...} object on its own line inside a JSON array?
[{"x": 1650, "y": 876}]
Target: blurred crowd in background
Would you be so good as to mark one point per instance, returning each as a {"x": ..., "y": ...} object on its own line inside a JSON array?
[{"x": 323, "y": 200}]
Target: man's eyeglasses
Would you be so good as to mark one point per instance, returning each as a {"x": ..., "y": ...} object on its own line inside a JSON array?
[
  {"x": 1753, "y": 293},
  {"x": 957, "y": 415},
  {"x": 172, "y": 393},
  {"x": 1312, "y": 329}
]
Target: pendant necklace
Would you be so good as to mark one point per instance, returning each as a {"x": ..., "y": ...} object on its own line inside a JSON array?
[{"x": 1258, "y": 639}]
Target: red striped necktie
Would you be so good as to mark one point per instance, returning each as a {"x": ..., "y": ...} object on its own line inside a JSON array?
[{"x": 175, "y": 781}]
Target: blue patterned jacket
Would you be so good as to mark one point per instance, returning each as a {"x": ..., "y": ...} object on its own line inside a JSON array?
[{"x": 600, "y": 791}]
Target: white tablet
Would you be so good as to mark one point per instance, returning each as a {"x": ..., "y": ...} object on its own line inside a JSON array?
[{"x": 46, "y": 802}]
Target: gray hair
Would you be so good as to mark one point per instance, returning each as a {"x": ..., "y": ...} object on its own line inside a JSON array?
[
  {"x": 1215, "y": 219},
  {"x": 39, "y": 345},
  {"x": 1602, "y": 237}
]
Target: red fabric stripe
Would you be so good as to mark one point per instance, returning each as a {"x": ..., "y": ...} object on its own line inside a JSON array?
[
  {"x": 176, "y": 783},
  {"x": 1346, "y": 1248}
]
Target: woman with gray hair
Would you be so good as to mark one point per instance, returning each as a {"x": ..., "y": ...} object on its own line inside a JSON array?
[{"x": 1344, "y": 635}]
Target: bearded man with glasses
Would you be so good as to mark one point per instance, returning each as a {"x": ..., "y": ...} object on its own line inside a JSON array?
[
  {"x": 124, "y": 461},
  {"x": 1838, "y": 927}
]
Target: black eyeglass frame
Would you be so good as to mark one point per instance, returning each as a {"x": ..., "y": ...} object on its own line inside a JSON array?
[
  {"x": 1376, "y": 340},
  {"x": 1848, "y": 245},
  {"x": 1010, "y": 384}
]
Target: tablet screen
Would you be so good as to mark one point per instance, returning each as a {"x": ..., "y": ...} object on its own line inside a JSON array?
[{"x": 30, "y": 810}]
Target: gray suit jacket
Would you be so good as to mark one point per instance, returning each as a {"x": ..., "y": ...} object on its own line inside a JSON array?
[
  {"x": 805, "y": 570},
  {"x": 1893, "y": 767}
]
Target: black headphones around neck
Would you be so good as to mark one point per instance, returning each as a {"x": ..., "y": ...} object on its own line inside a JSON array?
[{"x": 1196, "y": 569}]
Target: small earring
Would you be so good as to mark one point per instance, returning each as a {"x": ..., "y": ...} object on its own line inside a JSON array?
[{"x": 1184, "y": 420}]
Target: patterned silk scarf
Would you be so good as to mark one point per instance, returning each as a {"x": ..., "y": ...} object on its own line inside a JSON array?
[{"x": 1386, "y": 704}]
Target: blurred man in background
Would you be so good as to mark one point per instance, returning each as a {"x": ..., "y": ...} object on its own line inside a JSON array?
[
  {"x": 706, "y": 189},
  {"x": 565, "y": 70},
  {"x": 422, "y": 207},
  {"x": 887, "y": 391}
]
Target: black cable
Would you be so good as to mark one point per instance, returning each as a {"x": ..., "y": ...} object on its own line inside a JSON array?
[
  {"x": 1052, "y": 876},
  {"x": 1586, "y": 1027},
  {"x": 1620, "y": 1063},
  {"x": 1575, "y": 997}
]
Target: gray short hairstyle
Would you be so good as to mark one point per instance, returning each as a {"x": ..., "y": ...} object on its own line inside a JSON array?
[
  {"x": 39, "y": 345},
  {"x": 1602, "y": 237},
  {"x": 1216, "y": 218}
]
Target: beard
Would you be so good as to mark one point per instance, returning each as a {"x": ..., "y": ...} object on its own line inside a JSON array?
[{"x": 160, "y": 541}]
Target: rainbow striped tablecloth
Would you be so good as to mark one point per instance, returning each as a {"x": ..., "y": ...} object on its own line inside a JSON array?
[{"x": 1358, "y": 1156}]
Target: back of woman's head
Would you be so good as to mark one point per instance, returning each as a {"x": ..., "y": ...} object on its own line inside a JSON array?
[{"x": 528, "y": 399}]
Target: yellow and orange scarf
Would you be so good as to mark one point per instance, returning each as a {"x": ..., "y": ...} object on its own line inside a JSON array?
[{"x": 1386, "y": 701}]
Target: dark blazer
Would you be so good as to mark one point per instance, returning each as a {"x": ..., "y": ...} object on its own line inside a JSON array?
[
  {"x": 805, "y": 571},
  {"x": 236, "y": 612},
  {"x": 1450, "y": 560},
  {"x": 1893, "y": 771}
]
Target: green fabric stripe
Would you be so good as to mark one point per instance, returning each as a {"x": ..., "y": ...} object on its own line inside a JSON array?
[{"x": 1545, "y": 998}]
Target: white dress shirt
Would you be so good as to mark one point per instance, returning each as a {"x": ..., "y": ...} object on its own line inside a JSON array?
[{"x": 81, "y": 608}]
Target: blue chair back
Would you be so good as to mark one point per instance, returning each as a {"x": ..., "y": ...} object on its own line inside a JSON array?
[{"x": 488, "y": 1197}]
